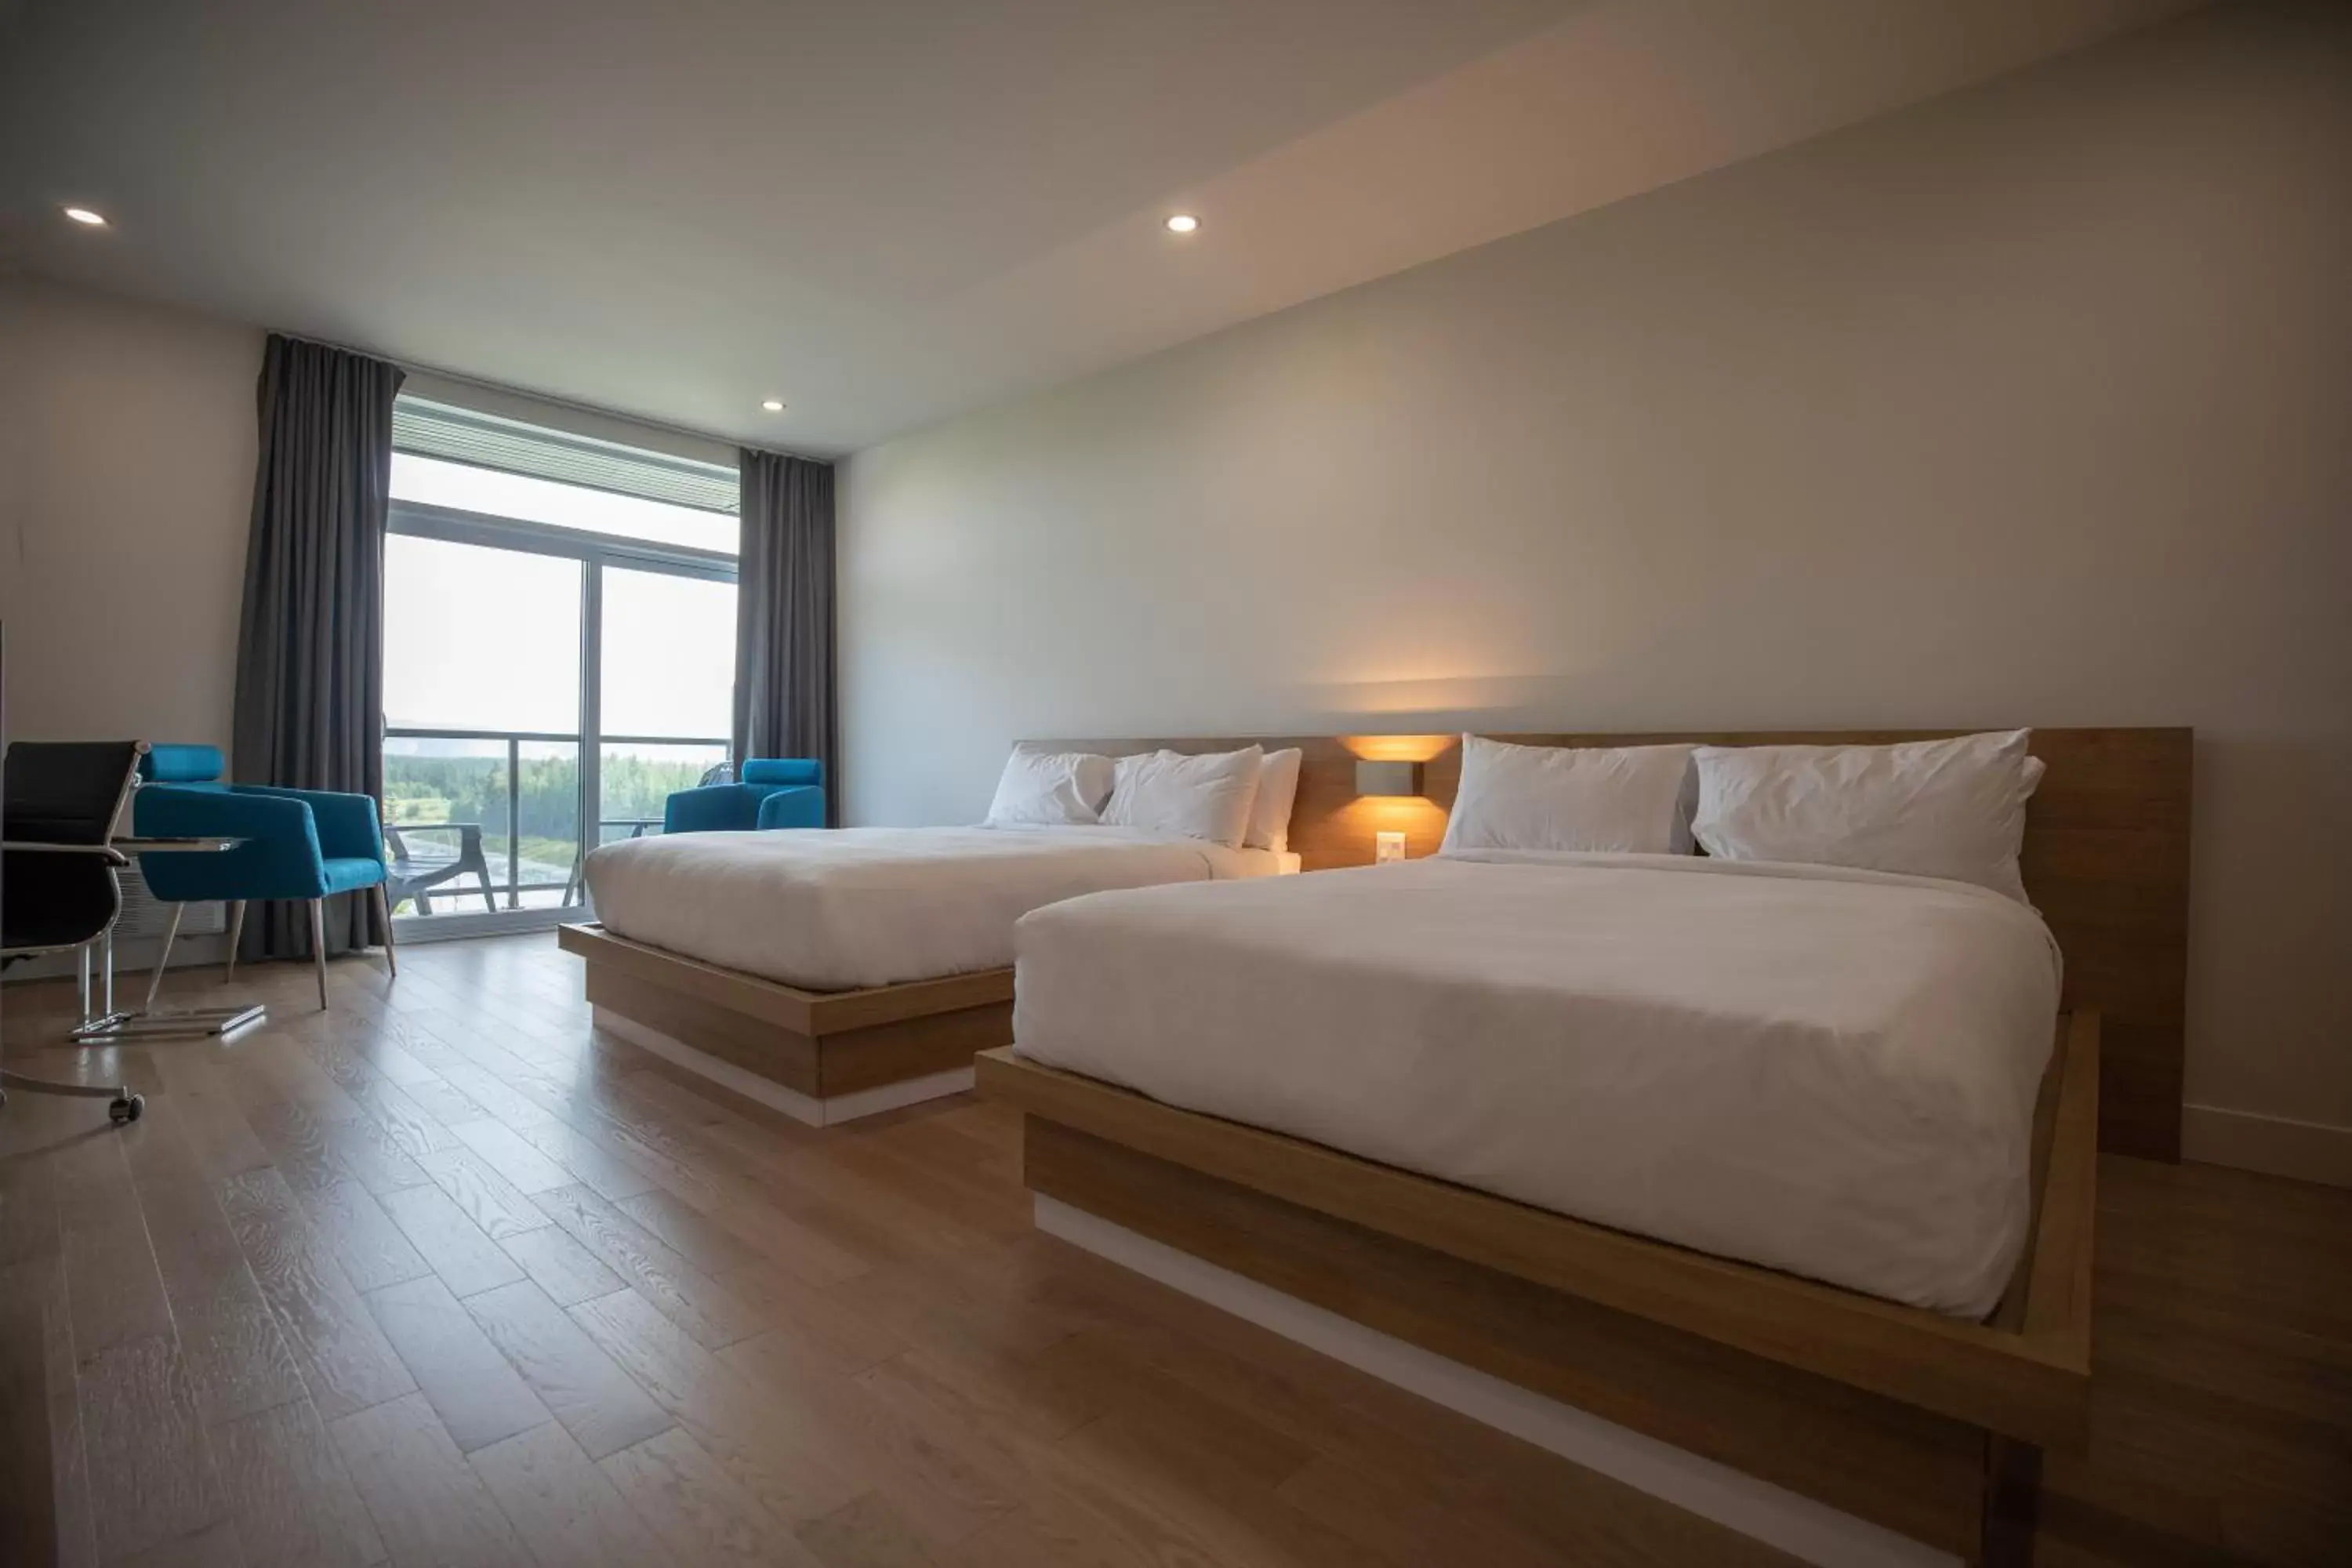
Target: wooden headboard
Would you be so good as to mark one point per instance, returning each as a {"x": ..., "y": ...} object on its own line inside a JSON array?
[{"x": 2106, "y": 862}]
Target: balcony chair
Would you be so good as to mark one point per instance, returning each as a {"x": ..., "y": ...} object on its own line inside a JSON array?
[
  {"x": 57, "y": 872},
  {"x": 772, "y": 792},
  {"x": 301, "y": 844},
  {"x": 412, "y": 874}
]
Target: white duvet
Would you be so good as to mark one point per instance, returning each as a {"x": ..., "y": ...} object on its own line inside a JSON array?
[
  {"x": 1827, "y": 1072},
  {"x": 835, "y": 910}
]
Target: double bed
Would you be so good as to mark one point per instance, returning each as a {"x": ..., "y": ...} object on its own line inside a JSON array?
[
  {"x": 1769, "y": 1188},
  {"x": 833, "y": 975}
]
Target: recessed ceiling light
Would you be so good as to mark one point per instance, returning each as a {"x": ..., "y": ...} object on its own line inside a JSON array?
[
  {"x": 84, "y": 216},
  {"x": 1183, "y": 223},
  {"x": 773, "y": 405}
]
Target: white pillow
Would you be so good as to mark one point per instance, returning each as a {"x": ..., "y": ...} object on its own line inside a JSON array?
[
  {"x": 1278, "y": 787},
  {"x": 1050, "y": 788},
  {"x": 1207, "y": 796},
  {"x": 1951, "y": 808},
  {"x": 1631, "y": 798}
]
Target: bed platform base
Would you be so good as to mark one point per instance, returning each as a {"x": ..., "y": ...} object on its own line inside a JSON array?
[
  {"x": 1840, "y": 1428},
  {"x": 819, "y": 1056}
]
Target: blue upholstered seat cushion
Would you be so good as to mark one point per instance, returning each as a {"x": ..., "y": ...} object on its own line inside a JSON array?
[{"x": 344, "y": 875}]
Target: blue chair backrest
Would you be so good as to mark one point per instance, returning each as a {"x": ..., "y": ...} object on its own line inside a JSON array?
[
  {"x": 782, "y": 770},
  {"x": 182, "y": 765}
]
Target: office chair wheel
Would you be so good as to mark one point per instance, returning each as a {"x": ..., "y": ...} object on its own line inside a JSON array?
[{"x": 126, "y": 1107}]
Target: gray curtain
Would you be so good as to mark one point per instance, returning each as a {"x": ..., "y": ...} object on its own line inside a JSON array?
[
  {"x": 310, "y": 655},
  {"x": 784, "y": 618}
]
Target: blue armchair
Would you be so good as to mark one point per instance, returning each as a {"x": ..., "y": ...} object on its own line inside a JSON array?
[
  {"x": 299, "y": 844},
  {"x": 772, "y": 792}
]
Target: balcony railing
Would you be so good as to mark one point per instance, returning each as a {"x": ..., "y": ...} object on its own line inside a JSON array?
[{"x": 514, "y": 800}]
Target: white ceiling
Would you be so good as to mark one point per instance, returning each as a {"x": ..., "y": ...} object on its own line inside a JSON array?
[{"x": 889, "y": 212}]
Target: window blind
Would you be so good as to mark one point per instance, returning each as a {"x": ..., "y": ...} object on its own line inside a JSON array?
[{"x": 488, "y": 441}]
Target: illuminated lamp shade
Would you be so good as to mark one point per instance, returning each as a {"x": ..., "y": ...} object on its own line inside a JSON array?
[{"x": 1386, "y": 779}]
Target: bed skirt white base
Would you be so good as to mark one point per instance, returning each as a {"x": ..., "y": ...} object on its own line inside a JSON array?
[
  {"x": 827, "y": 1112},
  {"x": 1798, "y": 1525}
]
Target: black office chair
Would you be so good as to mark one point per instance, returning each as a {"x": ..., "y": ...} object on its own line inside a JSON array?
[{"x": 58, "y": 888}]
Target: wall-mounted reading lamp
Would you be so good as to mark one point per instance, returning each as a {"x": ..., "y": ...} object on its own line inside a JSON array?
[
  {"x": 1387, "y": 781},
  {"x": 1386, "y": 778}
]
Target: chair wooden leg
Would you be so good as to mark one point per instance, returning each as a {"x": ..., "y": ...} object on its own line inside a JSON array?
[
  {"x": 318, "y": 946},
  {"x": 170, "y": 935},
  {"x": 236, "y": 933},
  {"x": 384, "y": 912}
]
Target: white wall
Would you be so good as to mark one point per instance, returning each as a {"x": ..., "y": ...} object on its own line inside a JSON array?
[
  {"x": 2030, "y": 405},
  {"x": 130, "y": 486}
]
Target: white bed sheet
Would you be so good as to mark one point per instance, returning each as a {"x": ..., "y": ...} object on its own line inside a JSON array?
[
  {"x": 835, "y": 910},
  {"x": 1827, "y": 1072}
]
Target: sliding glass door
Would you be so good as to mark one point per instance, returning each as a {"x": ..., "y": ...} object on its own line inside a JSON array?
[
  {"x": 545, "y": 688},
  {"x": 665, "y": 690}
]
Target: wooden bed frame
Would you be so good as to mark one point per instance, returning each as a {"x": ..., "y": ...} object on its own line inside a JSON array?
[
  {"x": 821, "y": 1057},
  {"x": 828, "y": 1057},
  {"x": 1923, "y": 1433}
]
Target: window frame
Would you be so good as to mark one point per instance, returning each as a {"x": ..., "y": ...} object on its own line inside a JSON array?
[{"x": 594, "y": 552}]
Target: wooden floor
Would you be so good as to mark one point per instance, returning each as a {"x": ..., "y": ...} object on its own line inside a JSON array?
[{"x": 443, "y": 1277}]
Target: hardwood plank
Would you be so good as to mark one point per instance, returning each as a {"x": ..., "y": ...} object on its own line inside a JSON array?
[
  {"x": 494, "y": 1204},
  {"x": 292, "y": 1503},
  {"x": 151, "y": 1467},
  {"x": 476, "y": 1393},
  {"x": 560, "y": 1266},
  {"x": 566, "y": 1512},
  {"x": 867, "y": 1532},
  {"x": 714, "y": 1315},
  {"x": 606, "y": 1175},
  {"x": 41, "y": 1287},
  {"x": 370, "y": 1248},
  {"x": 428, "y": 1505},
  {"x": 208, "y": 1115},
  {"x": 29, "y": 1464},
  {"x": 502, "y": 1149},
  {"x": 409, "y": 1126},
  {"x": 680, "y": 1225},
  {"x": 238, "y": 1361},
  {"x": 346, "y": 1362},
  {"x": 584, "y": 1388},
  {"x": 454, "y": 1247},
  {"x": 111, "y": 1278},
  {"x": 797, "y": 1465},
  {"x": 496, "y": 1101},
  {"x": 946, "y": 1488},
  {"x": 369, "y": 1153},
  {"x": 704, "y": 1517},
  {"x": 215, "y": 1546}
]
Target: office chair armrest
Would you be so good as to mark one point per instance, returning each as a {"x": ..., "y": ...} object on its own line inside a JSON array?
[
  {"x": 113, "y": 856},
  {"x": 349, "y": 828}
]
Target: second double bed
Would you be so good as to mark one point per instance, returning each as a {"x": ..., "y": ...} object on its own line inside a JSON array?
[
  {"x": 1762, "y": 1182},
  {"x": 1784, "y": 1064},
  {"x": 835, "y": 973}
]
